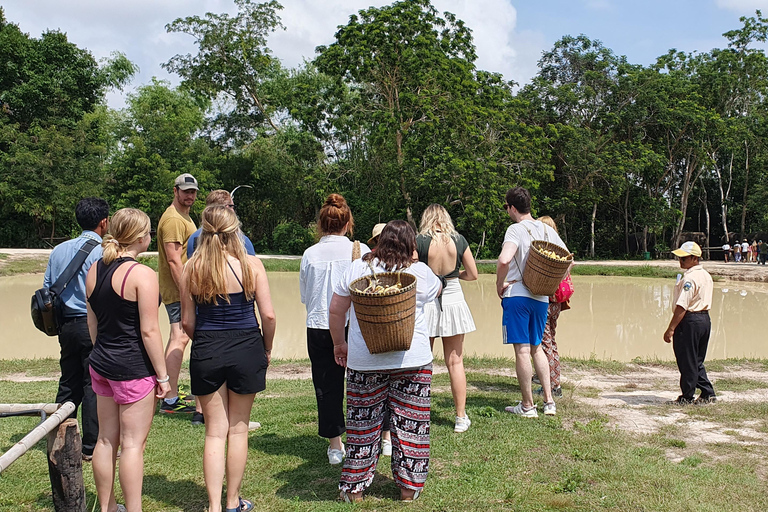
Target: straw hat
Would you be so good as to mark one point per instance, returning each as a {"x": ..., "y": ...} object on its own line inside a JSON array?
[{"x": 377, "y": 229}]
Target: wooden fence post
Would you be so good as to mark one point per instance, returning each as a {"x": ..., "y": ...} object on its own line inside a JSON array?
[{"x": 65, "y": 467}]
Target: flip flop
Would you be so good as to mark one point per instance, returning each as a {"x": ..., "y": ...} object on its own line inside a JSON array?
[
  {"x": 350, "y": 498},
  {"x": 244, "y": 506},
  {"x": 415, "y": 497}
]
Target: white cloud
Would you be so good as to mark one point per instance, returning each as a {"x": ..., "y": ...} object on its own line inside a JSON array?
[
  {"x": 137, "y": 29},
  {"x": 744, "y": 6}
]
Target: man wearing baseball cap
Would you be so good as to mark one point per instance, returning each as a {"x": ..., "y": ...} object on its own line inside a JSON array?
[
  {"x": 690, "y": 326},
  {"x": 173, "y": 231}
]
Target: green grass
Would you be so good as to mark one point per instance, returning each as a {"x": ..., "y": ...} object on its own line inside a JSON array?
[
  {"x": 570, "y": 462},
  {"x": 27, "y": 265}
]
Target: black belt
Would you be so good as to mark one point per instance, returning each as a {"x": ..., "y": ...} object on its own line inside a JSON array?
[
  {"x": 68, "y": 319},
  {"x": 705, "y": 312}
]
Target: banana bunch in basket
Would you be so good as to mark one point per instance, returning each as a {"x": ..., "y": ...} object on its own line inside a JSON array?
[
  {"x": 552, "y": 254},
  {"x": 375, "y": 288}
]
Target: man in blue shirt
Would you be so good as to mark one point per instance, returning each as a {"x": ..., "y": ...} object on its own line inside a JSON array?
[
  {"x": 222, "y": 198},
  {"x": 92, "y": 215}
]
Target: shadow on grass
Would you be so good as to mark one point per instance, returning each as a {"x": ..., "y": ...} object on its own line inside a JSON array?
[
  {"x": 183, "y": 495},
  {"x": 44, "y": 500}
]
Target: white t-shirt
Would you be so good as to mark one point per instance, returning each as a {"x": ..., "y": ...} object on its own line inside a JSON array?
[
  {"x": 745, "y": 247},
  {"x": 322, "y": 266},
  {"x": 420, "y": 353},
  {"x": 519, "y": 235},
  {"x": 727, "y": 247}
]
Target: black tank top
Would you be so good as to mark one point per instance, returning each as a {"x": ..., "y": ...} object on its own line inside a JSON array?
[
  {"x": 238, "y": 313},
  {"x": 119, "y": 352}
]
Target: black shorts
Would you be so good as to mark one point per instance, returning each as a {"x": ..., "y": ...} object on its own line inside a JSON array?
[{"x": 235, "y": 358}]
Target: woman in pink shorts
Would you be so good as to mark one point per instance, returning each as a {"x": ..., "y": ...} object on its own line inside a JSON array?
[{"x": 127, "y": 356}]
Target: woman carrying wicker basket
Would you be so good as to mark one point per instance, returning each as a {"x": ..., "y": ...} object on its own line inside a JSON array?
[
  {"x": 322, "y": 265},
  {"x": 524, "y": 314},
  {"x": 445, "y": 251},
  {"x": 399, "y": 378}
]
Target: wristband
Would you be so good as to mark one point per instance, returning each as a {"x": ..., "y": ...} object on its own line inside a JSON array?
[{"x": 163, "y": 381}]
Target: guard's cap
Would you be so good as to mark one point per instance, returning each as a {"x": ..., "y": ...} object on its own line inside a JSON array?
[{"x": 688, "y": 249}]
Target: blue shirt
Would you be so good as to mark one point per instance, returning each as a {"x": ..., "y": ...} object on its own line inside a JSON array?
[
  {"x": 73, "y": 296},
  {"x": 193, "y": 239}
]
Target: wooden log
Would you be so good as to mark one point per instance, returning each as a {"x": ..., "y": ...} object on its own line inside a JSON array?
[
  {"x": 12, "y": 408},
  {"x": 65, "y": 467},
  {"x": 36, "y": 435}
]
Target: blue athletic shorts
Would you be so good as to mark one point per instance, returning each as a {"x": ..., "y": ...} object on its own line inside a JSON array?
[{"x": 523, "y": 320}]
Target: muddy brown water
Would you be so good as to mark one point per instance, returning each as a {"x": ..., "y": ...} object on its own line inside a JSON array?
[{"x": 612, "y": 318}]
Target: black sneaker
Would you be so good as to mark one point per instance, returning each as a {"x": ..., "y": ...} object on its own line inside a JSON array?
[
  {"x": 183, "y": 395},
  {"x": 681, "y": 400},
  {"x": 556, "y": 392},
  {"x": 705, "y": 400},
  {"x": 179, "y": 407},
  {"x": 197, "y": 418}
]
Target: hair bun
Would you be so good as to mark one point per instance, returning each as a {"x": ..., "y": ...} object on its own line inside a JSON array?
[{"x": 336, "y": 200}]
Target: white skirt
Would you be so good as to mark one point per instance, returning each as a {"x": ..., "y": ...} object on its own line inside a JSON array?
[{"x": 455, "y": 318}]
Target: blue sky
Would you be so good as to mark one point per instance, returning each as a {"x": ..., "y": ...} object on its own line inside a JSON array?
[{"x": 509, "y": 34}]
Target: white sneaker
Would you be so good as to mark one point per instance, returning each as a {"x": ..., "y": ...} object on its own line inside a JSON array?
[
  {"x": 336, "y": 456},
  {"x": 522, "y": 411},
  {"x": 386, "y": 447},
  {"x": 550, "y": 409},
  {"x": 254, "y": 425},
  {"x": 462, "y": 424}
]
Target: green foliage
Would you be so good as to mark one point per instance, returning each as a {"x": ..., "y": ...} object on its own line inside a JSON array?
[{"x": 291, "y": 238}]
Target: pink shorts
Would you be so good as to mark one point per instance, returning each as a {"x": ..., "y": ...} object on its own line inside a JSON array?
[{"x": 122, "y": 391}]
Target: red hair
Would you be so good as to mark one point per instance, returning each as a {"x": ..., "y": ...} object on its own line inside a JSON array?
[{"x": 334, "y": 215}]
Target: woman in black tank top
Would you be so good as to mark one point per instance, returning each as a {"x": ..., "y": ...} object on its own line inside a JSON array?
[
  {"x": 127, "y": 362},
  {"x": 229, "y": 356}
]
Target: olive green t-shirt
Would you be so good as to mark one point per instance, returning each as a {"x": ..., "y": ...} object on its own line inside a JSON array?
[{"x": 173, "y": 227}]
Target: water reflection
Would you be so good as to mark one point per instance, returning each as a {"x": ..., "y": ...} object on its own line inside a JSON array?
[{"x": 611, "y": 318}]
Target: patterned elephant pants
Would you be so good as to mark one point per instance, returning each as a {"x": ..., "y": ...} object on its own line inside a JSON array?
[
  {"x": 549, "y": 345},
  {"x": 407, "y": 393}
]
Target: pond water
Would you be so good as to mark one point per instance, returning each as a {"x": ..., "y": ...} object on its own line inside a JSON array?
[{"x": 611, "y": 318}]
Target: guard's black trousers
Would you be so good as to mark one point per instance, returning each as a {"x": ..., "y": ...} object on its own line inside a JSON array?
[
  {"x": 690, "y": 343},
  {"x": 75, "y": 381},
  {"x": 328, "y": 379}
]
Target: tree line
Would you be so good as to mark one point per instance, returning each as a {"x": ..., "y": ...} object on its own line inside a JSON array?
[{"x": 395, "y": 115}]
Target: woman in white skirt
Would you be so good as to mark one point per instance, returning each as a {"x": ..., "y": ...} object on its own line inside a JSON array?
[{"x": 448, "y": 317}]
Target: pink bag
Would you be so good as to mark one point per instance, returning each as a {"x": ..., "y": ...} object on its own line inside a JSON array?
[{"x": 564, "y": 291}]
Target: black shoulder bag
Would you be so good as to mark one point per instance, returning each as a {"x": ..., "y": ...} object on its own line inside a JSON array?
[{"x": 46, "y": 302}]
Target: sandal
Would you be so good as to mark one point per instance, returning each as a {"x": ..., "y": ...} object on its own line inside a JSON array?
[
  {"x": 243, "y": 506},
  {"x": 348, "y": 497},
  {"x": 410, "y": 500}
]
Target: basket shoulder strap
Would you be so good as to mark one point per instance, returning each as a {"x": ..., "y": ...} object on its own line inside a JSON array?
[{"x": 356, "y": 250}]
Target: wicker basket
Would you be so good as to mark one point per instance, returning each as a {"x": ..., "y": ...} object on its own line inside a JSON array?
[
  {"x": 386, "y": 320},
  {"x": 542, "y": 274}
]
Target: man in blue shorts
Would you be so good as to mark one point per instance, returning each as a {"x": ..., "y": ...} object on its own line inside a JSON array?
[{"x": 524, "y": 314}]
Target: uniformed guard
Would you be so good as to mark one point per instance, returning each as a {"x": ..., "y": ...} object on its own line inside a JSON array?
[{"x": 690, "y": 326}]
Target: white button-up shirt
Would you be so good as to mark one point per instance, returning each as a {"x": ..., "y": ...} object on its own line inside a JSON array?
[{"x": 322, "y": 266}]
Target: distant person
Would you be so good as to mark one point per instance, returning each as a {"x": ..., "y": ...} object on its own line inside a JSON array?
[
  {"x": 127, "y": 363},
  {"x": 92, "y": 214},
  {"x": 753, "y": 251},
  {"x": 222, "y": 198},
  {"x": 322, "y": 266},
  {"x": 745, "y": 251},
  {"x": 173, "y": 232},
  {"x": 736, "y": 252},
  {"x": 726, "y": 251},
  {"x": 221, "y": 289},
  {"x": 548, "y": 343},
  {"x": 524, "y": 315},
  {"x": 690, "y": 326},
  {"x": 375, "y": 232},
  {"x": 762, "y": 249},
  {"x": 446, "y": 251}
]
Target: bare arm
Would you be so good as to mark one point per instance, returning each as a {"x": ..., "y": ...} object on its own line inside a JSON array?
[
  {"x": 337, "y": 319},
  {"x": 173, "y": 253},
  {"x": 677, "y": 316},
  {"x": 188, "y": 309},
  {"x": 147, "y": 292},
  {"x": 470, "y": 268},
  {"x": 508, "y": 251},
  {"x": 264, "y": 304},
  {"x": 90, "y": 284}
]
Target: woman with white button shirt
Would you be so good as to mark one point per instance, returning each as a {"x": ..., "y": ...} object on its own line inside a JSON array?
[{"x": 322, "y": 266}]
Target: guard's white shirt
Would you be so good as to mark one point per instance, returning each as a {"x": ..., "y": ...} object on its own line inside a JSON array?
[{"x": 322, "y": 266}]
